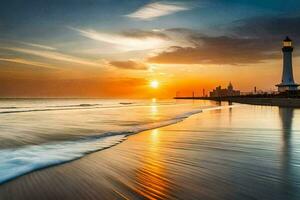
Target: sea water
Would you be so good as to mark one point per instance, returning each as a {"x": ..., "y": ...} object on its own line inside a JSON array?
[{"x": 38, "y": 133}]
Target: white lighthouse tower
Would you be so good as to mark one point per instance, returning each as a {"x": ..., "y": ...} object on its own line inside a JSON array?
[{"x": 287, "y": 81}]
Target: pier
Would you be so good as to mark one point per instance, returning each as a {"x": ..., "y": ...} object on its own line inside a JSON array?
[{"x": 283, "y": 99}]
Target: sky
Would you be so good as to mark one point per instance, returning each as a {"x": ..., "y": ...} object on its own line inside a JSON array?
[{"x": 117, "y": 48}]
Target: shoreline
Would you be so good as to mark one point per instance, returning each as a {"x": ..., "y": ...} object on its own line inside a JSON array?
[
  {"x": 216, "y": 154},
  {"x": 126, "y": 134}
]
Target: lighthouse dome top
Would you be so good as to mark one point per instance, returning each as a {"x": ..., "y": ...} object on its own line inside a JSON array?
[
  {"x": 287, "y": 39},
  {"x": 287, "y": 42}
]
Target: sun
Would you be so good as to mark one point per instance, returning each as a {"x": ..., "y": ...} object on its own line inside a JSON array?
[{"x": 154, "y": 84}]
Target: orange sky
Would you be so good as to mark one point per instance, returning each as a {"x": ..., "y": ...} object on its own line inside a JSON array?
[{"x": 114, "y": 83}]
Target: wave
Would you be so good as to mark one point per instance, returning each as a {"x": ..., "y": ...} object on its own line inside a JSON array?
[
  {"x": 55, "y": 106},
  {"x": 77, "y": 107},
  {"x": 20, "y": 161},
  {"x": 41, "y": 110},
  {"x": 11, "y": 107},
  {"x": 125, "y": 103}
]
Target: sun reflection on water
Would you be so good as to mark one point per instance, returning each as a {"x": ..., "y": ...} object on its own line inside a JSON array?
[
  {"x": 151, "y": 176},
  {"x": 154, "y": 110}
]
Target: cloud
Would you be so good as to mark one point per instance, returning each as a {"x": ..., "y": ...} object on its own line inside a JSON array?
[
  {"x": 129, "y": 40},
  {"x": 39, "y": 46},
  {"x": 218, "y": 50},
  {"x": 130, "y": 64},
  {"x": 26, "y": 62},
  {"x": 246, "y": 41},
  {"x": 157, "y": 9},
  {"x": 268, "y": 27},
  {"x": 54, "y": 56}
]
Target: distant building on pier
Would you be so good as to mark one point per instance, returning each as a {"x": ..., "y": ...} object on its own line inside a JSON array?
[{"x": 226, "y": 92}]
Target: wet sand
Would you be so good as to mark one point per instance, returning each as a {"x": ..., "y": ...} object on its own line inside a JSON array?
[{"x": 247, "y": 152}]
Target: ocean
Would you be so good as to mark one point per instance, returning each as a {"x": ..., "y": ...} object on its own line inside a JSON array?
[{"x": 38, "y": 133}]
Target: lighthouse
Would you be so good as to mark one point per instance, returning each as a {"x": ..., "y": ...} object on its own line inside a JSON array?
[{"x": 287, "y": 81}]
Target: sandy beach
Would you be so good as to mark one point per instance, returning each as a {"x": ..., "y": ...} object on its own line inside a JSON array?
[{"x": 217, "y": 154}]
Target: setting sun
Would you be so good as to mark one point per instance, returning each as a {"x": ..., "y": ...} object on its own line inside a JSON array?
[{"x": 154, "y": 84}]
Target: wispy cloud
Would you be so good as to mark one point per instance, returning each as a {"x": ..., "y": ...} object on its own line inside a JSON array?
[
  {"x": 39, "y": 46},
  {"x": 128, "y": 41},
  {"x": 54, "y": 56},
  {"x": 27, "y": 62},
  {"x": 157, "y": 9}
]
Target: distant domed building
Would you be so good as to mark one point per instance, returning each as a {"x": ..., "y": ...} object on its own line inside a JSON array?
[{"x": 219, "y": 92}]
